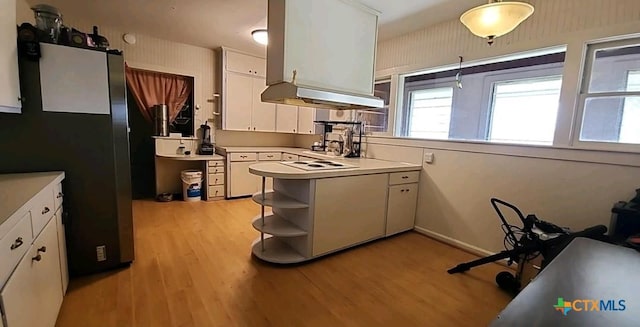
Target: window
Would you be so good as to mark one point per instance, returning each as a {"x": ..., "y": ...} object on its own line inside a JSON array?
[
  {"x": 610, "y": 96},
  {"x": 431, "y": 113},
  {"x": 525, "y": 111},
  {"x": 506, "y": 102},
  {"x": 377, "y": 120}
]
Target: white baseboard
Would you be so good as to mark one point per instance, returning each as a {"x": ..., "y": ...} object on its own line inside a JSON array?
[
  {"x": 453, "y": 242},
  {"x": 460, "y": 245}
]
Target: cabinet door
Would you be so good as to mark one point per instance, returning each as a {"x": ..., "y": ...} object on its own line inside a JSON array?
[
  {"x": 35, "y": 286},
  {"x": 19, "y": 295},
  {"x": 241, "y": 181},
  {"x": 263, "y": 114},
  {"x": 401, "y": 210},
  {"x": 10, "y": 82},
  {"x": 286, "y": 118},
  {"x": 62, "y": 251},
  {"x": 237, "y": 109},
  {"x": 246, "y": 64},
  {"x": 306, "y": 117}
]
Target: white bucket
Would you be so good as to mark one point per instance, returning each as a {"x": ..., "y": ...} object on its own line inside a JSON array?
[{"x": 191, "y": 185}]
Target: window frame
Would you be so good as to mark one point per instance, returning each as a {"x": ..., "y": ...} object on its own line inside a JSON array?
[
  {"x": 583, "y": 95},
  {"x": 405, "y": 121}
]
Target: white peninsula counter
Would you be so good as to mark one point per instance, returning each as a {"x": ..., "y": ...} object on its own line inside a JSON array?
[{"x": 317, "y": 212}]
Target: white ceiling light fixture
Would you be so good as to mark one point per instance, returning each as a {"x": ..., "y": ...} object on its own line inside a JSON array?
[
  {"x": 496, "y": 18},
  {"x": 260, "y": 36}
]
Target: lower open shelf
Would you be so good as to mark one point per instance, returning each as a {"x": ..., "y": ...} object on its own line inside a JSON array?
[{"x": 276, "y": 251}]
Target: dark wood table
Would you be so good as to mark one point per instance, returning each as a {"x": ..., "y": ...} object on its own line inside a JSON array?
[{"x": 584, "y": 270}]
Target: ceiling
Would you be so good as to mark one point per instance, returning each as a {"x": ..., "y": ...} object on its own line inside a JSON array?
[{"x": 212, "y": 23}]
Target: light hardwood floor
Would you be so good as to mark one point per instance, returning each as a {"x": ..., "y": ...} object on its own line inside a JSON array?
[{"x": 193, "y": 268}]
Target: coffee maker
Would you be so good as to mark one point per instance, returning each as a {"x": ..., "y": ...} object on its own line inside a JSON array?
[{"x": 206, "y": 147}]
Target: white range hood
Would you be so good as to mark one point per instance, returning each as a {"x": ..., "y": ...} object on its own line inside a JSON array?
[{"x": 321, "y": 54}]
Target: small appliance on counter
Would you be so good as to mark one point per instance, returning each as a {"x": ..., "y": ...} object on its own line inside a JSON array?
[
  {"x": 349, "y": 142},
  {"x": 206, "y": 147}
]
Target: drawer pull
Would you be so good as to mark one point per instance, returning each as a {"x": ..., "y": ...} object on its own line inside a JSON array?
[
  {"x": 37, "y": 258},
  {"x": 59, "y": 195},
  {"x": 17, "y": 243},
  {"x": 46, "y": 210},
  {"x": 405, "y": 177},
  {"x": 243, "y": 157},
  {"x": 269, "y": 156}
]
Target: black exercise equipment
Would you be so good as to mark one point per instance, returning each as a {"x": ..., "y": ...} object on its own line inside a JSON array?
[{"x": 523, "y": 244}]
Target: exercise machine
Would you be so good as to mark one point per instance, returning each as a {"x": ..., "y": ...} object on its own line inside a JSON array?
[{"x": 536, "y": 238}]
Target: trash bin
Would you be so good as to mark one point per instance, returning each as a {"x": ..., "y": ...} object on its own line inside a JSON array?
[{"x": 191, "y": 185}]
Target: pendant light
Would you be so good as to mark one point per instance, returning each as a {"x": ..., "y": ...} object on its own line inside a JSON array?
[
  {"x": 260, "y": 36},
  {"x": 496, "y": 18}
]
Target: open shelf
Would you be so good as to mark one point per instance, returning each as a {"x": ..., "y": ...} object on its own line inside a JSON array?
[
  {"x": 276, "y": 251},
  {"x": 278, "y": 200},
  {"x": 277, "y": 226}
]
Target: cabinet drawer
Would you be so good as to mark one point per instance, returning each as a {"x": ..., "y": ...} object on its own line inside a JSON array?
[
  {"x": 42, "y": 210},
  {"x": 215, "y": 179},
  {"x": 13, "y": 246},
  {"x": 244, "y": 156},
  {"x": 289, "y": 157},
  {"x": 216, "y": 191},
  {"x": 404, "y": 178},
  {"x": 57, "y": 195},
  {"x": 270, "y": 156},
  {"x": 216, "y": 170},
  {"x": 216, "y": 163}
]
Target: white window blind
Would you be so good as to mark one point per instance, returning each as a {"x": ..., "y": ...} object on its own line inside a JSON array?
[
  {"x": 630, "y": 126},
  {"x": 431, "y": 113},
  {"x": 525, "y": 111}
]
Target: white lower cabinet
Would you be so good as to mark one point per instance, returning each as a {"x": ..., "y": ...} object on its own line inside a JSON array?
[
  {"x": 401, "y": 208},
  {"x": 33, "y": 294},
  {"x": 241, "y": 181},
  {"x": 62, "y": 250}
]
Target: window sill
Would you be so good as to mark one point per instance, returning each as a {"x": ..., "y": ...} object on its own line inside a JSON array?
[{"x": 588, "y": 155}]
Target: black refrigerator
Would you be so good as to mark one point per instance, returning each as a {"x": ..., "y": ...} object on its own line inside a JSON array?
[{"x": 74, "y": 119}]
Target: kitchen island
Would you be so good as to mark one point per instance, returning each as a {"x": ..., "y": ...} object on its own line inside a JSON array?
[{"x": 318, "y": 211}]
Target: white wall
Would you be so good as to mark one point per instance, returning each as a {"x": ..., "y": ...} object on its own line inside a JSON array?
[
  {"x": 23, "y": 12},
  {"x": 574, "y": 188}
]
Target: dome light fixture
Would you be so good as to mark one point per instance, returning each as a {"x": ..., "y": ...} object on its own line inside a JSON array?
[
  {"x": 496, "y": 18},
  {"x": 260, "y": 36}
]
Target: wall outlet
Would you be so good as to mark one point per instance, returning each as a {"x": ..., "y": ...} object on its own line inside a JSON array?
[
  {"x": 428, "y": 157},
  {"x": 101, "y": 253}
]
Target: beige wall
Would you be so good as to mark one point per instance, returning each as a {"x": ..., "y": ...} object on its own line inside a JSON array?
[
  {"x": 568, "y": 187},
  {"x": 239, "y": 138},
  {"x": 23, "y": 12}
]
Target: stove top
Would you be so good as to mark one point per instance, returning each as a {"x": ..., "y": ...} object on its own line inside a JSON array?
[{"x": 317, "y": 165}]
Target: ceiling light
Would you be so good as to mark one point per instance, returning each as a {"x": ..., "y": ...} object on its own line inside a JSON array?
[
  {"x": 260, "y": 36},
  {"x": 496, "y": 18}
]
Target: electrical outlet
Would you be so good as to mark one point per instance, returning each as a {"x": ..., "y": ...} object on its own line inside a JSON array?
[
  {"x": 101, "y": 253},
  {"x": 428, "y": 157}
]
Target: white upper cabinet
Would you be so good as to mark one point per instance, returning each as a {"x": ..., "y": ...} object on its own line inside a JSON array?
[
  {"x": 246, "y": 64},
  {"x": 336, "y": 54},
  {"x": 237, "y": 111},
  {"x": 263, "y": 114},
  {"x": 10, "y": 78},
  {"x": 306, "y": 118},
  {"x": 286, "y": 118}
]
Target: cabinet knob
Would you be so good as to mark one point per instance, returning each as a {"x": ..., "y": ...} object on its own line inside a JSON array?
[
  {"x": 254, "y": 128},
  {"x": 59, "y": 195},
  {"x": 248, "y": 128},
  {"x": 37, "y": 258},
  {"x": 294, "y": 130},
  {"x": 18, "y": 242},
  {"x": 20, "y": 99},
  {"x": 401, "y": 191},
  {"x": 46, "y": 210},
  {"x": 43, "y": 249}
]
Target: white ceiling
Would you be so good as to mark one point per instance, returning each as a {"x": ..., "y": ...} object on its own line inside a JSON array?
[{"x": 212, "y": 23}]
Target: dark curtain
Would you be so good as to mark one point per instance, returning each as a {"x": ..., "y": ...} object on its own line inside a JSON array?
[{"x": 152, "y": 88}]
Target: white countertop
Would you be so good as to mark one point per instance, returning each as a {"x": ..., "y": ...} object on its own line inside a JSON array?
[
  {"x": 192, "y": 157},
  {"x": 17, "y": 189},
  {"x": 364, "y": 167}
]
